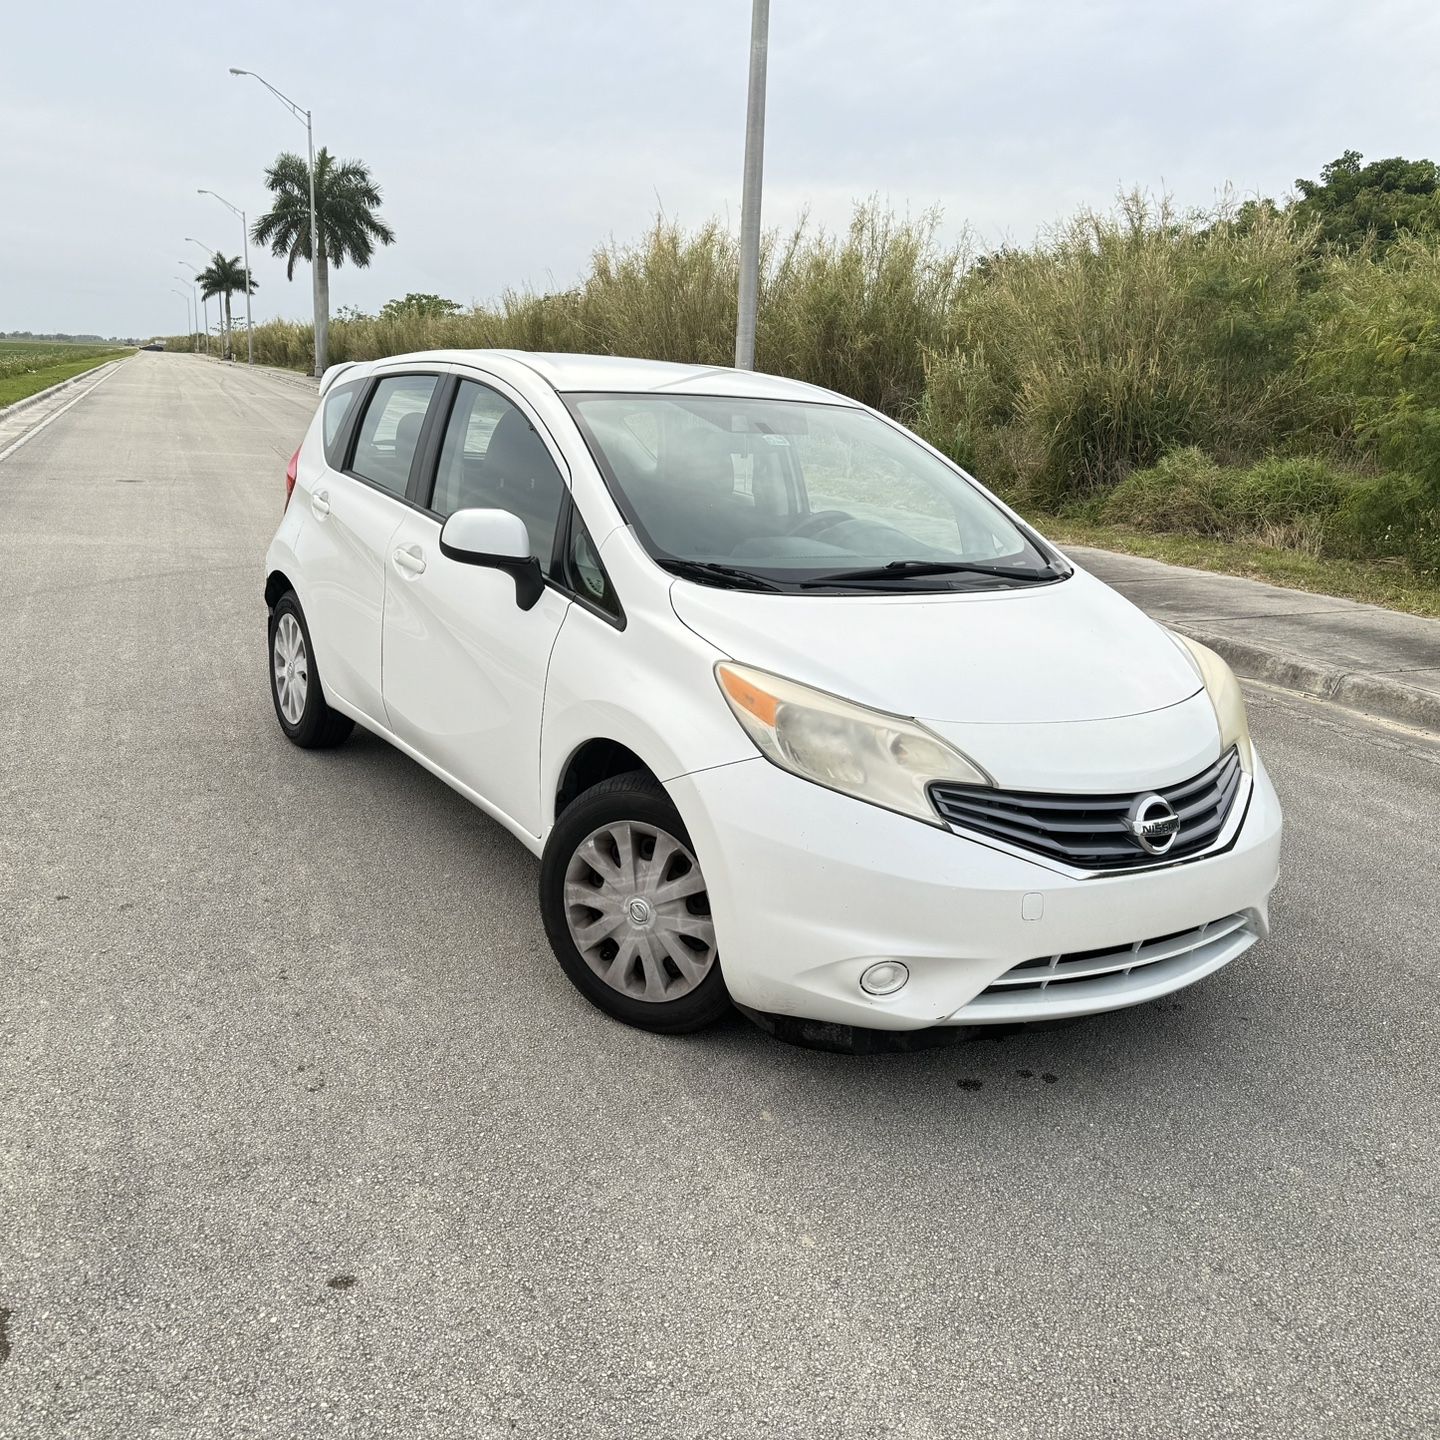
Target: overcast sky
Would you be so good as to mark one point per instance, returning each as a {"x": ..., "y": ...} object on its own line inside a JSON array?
[{"x": 511, "y": 136}]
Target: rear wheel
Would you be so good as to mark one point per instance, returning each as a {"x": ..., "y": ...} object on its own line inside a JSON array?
[
  {"x": 627, "y": 909},
  {"x": 295, "y": 682}
]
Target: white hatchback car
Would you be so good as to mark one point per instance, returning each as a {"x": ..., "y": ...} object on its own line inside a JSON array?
[{"x": 794, "y": 711}]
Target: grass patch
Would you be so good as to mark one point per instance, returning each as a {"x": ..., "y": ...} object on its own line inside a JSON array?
[
  {"x": 23, "y": 374},
  {"x": 1392, "y": 583}
]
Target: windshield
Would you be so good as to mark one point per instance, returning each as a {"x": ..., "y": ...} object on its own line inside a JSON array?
[{"x": 777, "y": 495}]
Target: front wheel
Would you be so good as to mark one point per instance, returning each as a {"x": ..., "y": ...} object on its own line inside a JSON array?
[{"x": 627, "y": 910}]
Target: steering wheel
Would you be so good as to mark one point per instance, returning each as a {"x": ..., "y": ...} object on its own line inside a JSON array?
[{"x": 813, "y": 524}]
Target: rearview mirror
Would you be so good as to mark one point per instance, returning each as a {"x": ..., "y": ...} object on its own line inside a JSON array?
[{"x": 497, "y": 540}]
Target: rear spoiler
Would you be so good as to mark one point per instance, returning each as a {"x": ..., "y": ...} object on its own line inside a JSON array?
[{"x": 334, "y": 373}]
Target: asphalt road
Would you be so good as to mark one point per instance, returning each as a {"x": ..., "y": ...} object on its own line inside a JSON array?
[{"x": 303, "y": 1132}]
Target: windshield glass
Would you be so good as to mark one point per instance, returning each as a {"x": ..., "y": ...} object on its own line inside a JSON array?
[{"x": 771, "y": 494}]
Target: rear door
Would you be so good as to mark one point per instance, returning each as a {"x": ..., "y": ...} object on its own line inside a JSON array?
[
  {"x": 356, "y": 505},
  {"x": 464, "y": 670}
]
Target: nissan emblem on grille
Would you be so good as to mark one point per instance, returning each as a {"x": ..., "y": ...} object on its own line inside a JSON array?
[{"x": 1154, "y": 823}]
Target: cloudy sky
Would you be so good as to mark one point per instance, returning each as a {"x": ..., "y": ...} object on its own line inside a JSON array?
[{"x": 510, "y": 136}]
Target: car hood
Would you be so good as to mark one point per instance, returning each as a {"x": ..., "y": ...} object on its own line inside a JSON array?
[{"x": 1071, "y": 651}]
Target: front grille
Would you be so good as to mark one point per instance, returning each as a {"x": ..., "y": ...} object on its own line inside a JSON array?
[{"x": 1091, "y": 831}]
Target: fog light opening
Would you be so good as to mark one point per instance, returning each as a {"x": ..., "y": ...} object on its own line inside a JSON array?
[{"x": 885, "y": 977}]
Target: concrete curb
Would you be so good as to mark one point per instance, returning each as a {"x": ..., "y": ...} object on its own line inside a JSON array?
[
  {"x": 1379, "y": 695},
  {"x": 52, "y": 390}
]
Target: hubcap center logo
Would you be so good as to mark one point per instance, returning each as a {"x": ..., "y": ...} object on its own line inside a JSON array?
[{"x": 640, "y": 911}]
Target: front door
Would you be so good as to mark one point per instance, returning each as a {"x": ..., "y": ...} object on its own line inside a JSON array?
[{"x": 464, "y": 666}]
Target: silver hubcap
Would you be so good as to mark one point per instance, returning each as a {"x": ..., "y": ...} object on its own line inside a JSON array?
[
  {"x": 637, "y": 910},
  {"x": 292, "y": 669}
]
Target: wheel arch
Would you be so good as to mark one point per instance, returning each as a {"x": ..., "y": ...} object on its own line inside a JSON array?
[
  {"x": 277, "y": 582},
  {"x": 588, "y": 763}
]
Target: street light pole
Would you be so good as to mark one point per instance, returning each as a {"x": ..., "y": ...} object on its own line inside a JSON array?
[
  {"x": 204, "y": 303},
  {"x": 750, "y": 196},
  {"x": 189, "y": 315},
  {"x": 210, "y": 253},
  {"x": 321, "y": 310},
  {"x": 245, "y": 238},
  {"x": 194, "y": 307}
]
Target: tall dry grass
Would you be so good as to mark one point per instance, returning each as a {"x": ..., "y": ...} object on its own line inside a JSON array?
[
  {"x": 854, "y": 311},
  {"x": 1118, "y": 339},
  {"x": 1121, "y": 336}
]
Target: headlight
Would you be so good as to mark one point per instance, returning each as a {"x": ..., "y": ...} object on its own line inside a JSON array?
[
  {"x": 1224, "y": 691},
  {"x": 861, "y": 752}
]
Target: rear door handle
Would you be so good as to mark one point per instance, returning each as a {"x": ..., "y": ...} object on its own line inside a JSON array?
[
  {"x": 320, "y": 503},
  {"x": 410, "y": 560}
]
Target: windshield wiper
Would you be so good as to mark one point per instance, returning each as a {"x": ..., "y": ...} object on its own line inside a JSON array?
[
  {"x": 724, "y": 576},
  {"x": 906, "y": 569}
]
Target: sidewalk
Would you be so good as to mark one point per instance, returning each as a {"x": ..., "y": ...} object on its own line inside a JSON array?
[
  {"x": 1379, "y": 661},
  {"x": 295, "y": 377}
]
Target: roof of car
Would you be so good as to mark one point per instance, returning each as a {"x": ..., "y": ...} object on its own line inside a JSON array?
[{"x": 617, "y": 373}]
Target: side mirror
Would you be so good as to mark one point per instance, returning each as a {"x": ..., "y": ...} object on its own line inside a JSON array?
[{"x": 498, "y": 540}]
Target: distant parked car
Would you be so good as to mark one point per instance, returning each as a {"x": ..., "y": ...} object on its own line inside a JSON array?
[
  {"x": 154, "y": 345},
  {"x": 794, "y": 712}
]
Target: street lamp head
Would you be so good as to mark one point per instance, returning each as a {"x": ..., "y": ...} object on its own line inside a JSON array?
[{"x": 234, "y": 71}]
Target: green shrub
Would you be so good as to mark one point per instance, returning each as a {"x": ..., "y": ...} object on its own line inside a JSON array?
[
  {"x": 1184, "y": 491},
  {"x": 1294, "y": 502},
  {"x": 1391, "y": 515}
]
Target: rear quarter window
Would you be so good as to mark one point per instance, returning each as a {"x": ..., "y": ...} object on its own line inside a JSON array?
[{"x": 337, "y": 407}]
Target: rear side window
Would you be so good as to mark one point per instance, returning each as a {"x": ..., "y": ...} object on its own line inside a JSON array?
[
  {"x": 338, "y": 404},
  {"x": 390, "y": 431}
]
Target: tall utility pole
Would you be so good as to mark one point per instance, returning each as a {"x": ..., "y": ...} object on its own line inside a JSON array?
[
  {"x": 322, "y": 313},
  {"x": 750, "y": 197},
  {"x": 195, "y": 307},
  {"x": 245, "y": 246},
  {"x": 209, "y": 254},
  {"x": 204, "y": 303},
  {"x": 189, "y": 312}
]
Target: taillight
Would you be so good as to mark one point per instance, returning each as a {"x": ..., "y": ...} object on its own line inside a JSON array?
[{"x": 290, "y": 474}]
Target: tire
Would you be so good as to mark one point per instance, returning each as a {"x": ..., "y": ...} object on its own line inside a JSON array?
[
  {"x": 651, "y": 964},
  {"x": 295, "y": 685}
]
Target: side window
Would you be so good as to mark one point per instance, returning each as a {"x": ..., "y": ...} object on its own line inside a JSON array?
[
  {"x": 585, "y": 575},
  {"x": 390, "y": 430},
  {"x": 492, "y": 459},
  {"x": 338, "y": 404}
]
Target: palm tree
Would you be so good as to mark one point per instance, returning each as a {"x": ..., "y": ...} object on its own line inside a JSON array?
[
  {"x": 346, "y": 201},
  {"x": 221, "y": 277}
]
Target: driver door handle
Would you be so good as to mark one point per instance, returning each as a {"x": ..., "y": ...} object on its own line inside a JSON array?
[{"x": 410, "y": 559}]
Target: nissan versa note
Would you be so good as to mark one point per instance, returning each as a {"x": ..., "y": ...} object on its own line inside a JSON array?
[{"x": 795, "y": 713}]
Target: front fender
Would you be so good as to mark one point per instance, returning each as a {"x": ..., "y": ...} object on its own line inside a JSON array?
[{"x": 649, "y": 687}]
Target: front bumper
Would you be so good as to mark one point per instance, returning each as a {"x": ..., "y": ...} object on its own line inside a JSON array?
[{"x": 808, "y": 888}]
